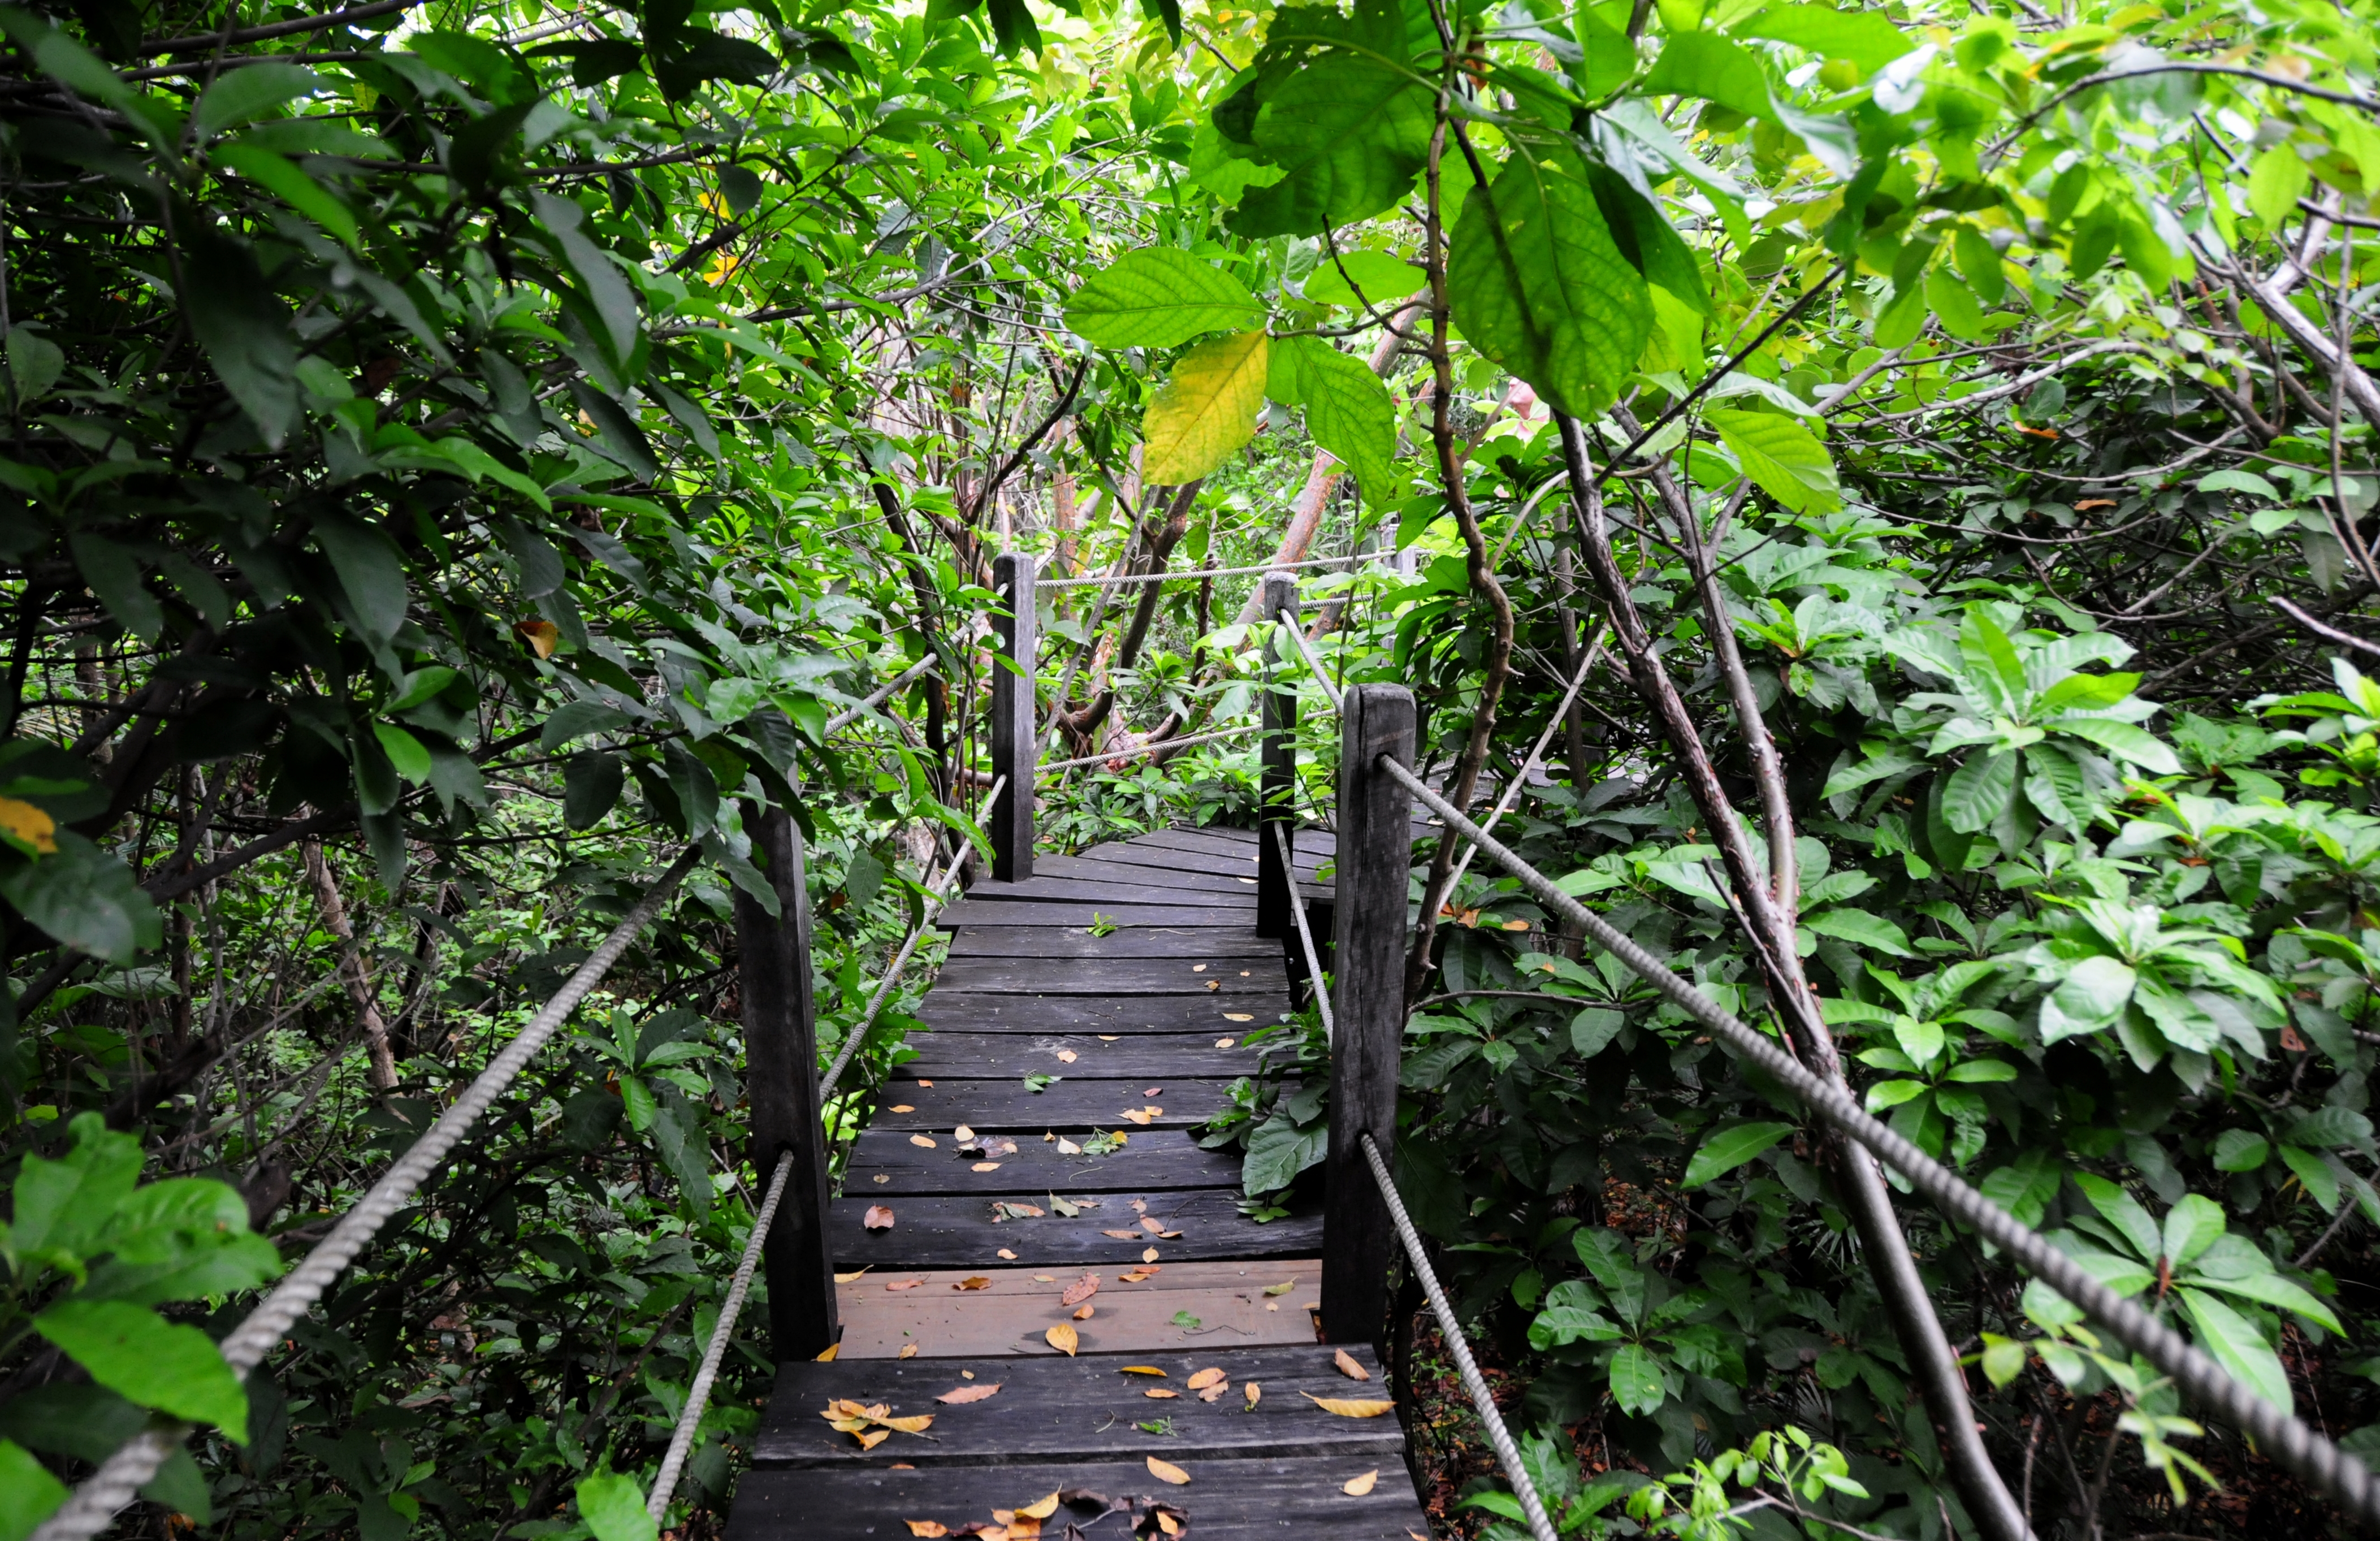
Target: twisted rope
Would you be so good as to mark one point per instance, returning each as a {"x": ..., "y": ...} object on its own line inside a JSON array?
[
  {"x": 2283, "y": 1439},
  {"x": 1149, "y": 748},
  {"x": 1321, "y": 678}
]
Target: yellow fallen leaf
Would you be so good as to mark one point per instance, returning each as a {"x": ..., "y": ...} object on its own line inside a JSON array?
[
  {"x": 1041, "y": 1510},
  {"x": 1167, "y": 1523},
  {"x": 1160, "y": 1393},
  {"x": 962, "y": 1134},
  {"x": 847, "y": 1278},
  {"x": 908, "y": 1351},
  {"x": 1062, "y": 1338},
  {"x": 927, "y": 1528},
  {"x": 923, "y": 1142},
  {"x": 1239, "y": 1016},
  {"x": 925, "y": 1083},
  {"x": 1215, "y": 1392},
  {"x": 1212, "y": 1375},
  {"x": 1110, "y": 1037},
  {"x": 1149, "y": 1257},
  {"x": 1282, "y": 1288},
  {"x": 1166, "y": 1470},
  {"x": 1516, "y": 925},
  {"x": 1021, "y": 1529},
  {"x": 1141, "y": 1369},
  {"x": 1008, "y": 1254},
  {"x": 1123, "y": 1235},
  {"x": 1255, "y": 1391},
  {"x": 873, "y": 1437},
  {"x": 985, "y": 1166},
  {"x": 1223, "y": 1043},
  {"x": 1347, "y": 1408},
  {"x": 1086, "y": 1312},
  {"x": 1355, "y": 1488},
  {"x": 1214, "y": 984},
  {"x": 1198, "y": 968},
  {"x": 1067, "y": 1056},
  {"x": 1347, "y": 1365},
  {"x": 1151, "y": 1223},
  {"x": 29, "y": 825},
  {"x": 831, "y": 1350},
  {"x": 1068, "y": 1147},
  {"x": 915, "y": 1424},
  {"x": 977, "y": 1282}
]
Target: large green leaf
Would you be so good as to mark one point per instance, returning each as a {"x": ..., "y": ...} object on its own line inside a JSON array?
[
  {"x": 244, "y": 328},
  {"x": 132, "y": 1350},
  {"x": 1278, "y": 1151},
  {"x": 2238, "y": 1347},
  {"x": 1159, "y": 297},
  {"x": 613, "y": 1507},
  {"x": 1637, "y": 1383},
  {"x": 1872, "y": 931},
  {"x": 27, "y": 1492},
  {"x": 1864, "y": 37},
  {"x": 1784, "y": 458},
  {"x": 1206, "y": 411},
  {"x": 87, "y": 899},
  {"x": 2093, "y": 992},
  {"x": 1729, "y": 1149},
  {"x": 68, "y": 1204},
  {"x": 1708, "y": 65},
  {"x": 1349, "y": 127},
  {"x": 1348, "y": 408},
  {"x": 1537, "y": 283},
  {"x": 370, "y": 570},
  {"x": 1980, "y": 789}
]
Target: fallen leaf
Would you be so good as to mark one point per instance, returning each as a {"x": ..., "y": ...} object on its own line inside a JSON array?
[
  {"x": 1222, "y": 1043},
  {"x": 877, "y": 1217},
  {"x": 873, "y": 1437},
  {"x": 1167, "y": 1523},
  {"x": 915, "y": 1424},
  {"x": 831, "y": 1350},
  {"x": 1109, "y": 1038},
  {"x": 1067, "y": 1056},
  {"x": 1141, "y": 1369},
  {"x": 1166, "y": 1470},
  {"x": 1068, "y": 1147},
  {"x": 1355, "y": 1488},
  {"x": 1022, "y": 1529},
  {"x": 959, "y": 1395},
  {"x": 1239, "y": 1016},
  {"x": 1153, "y": 1091},
  {"x": 962, "y": 1133},
  {"x": 1134, "y": 1115},
  {"x": 1149, "y": 1257},
  {"x": 1139, "y": 1206},
  {"x": 1007, "y": 1254},
  {"x": 1215, "y": 1392},
  {"x": 927, "y": 1528},
  {"x": 1282, "y": 1288},
  {"x": 908, "y": 1351},
  {"x": 1121, "y": 1235},
  {"x": 1214, "y": 984},
  {"x": 1134, "y": 1278},
  {"x": 1347, "y": 1408},
  {"x": 1041, "y": 1510},
  {"x": 847, "y": 1278},
  {"x": 925, "y": 1083},
  {"x": 1169, "y": 1235},
  {"x": 977, "y": 1282},
  {"x": 1150, "y": 1222},
  {"x": 1085, "y": 1313},
  {"x": 1062, "y": 1338},
  {"x": 905, "y": 1284},
  {"x": 1160, "y": 1392},
  {"x": 1255, "y": 1393},
  {"x": 985, "y": 1166},
  {"x": 1211, "y": 1376},
  {"x": 904, "y": 1108},
  {"x": 1080, "y": 1290},
  {"x": 923, "y": 1142},
  {"x": 1198, "y": 968},
  {"x": 1347, "y": 1365}
]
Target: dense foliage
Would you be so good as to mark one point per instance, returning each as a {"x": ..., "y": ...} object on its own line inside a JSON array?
[{"x": 459, "y": 456}]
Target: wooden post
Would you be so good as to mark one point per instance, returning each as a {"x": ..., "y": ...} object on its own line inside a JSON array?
[
  {"x": 1375, "y": 867},
  {"x": 780, "y": 1071},
  {"x": 1276, "y": 782},
  {"x": 1014, "y": 733}
]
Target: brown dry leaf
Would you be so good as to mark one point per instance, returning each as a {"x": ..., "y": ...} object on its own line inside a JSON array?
[
  {"x": 905, "y": 1108},
  {"x": 1062, "y": 1338},
  {"x": 1083, "y": 1313},
  {"x": 1149, "y": 1257},
  {"x": 1022, "y": 1529},
  {"x": 1140, "y": 1205},
  {"x": 877, "y": 1217},
  {"x": 1347, "y": 1365},
  {"x": 927, "y": 1528},
  {"x": 923, "y": 1142},
  {"x": 908, "y": 1351},
  {"x": 962, "y": 1134},
  {"x": 917, "y": 1423},
  {"x": 1166, "y": 1470},
  {"x": 905, "y": 1284},
  {"x": 958, "y": 1395},
  {"x": 831, "y": 1350},
  {"x": 977, "y": 1282},
  {"x": 1348, "y": 1408},
  {"x": 1041, "y": 1510},
  {"x": 1160, "y": 1393},
  {"x": 1007, "y": 1254},
  {"x": 1211, "y": 1376},
  {"x": 1067, "y": 1056},
  {"x": 1355, "y": 1488},
  {"x": 1169, "y": 1235},
  {"x": 873, "y": 1437},
  {"x": 985, "y": 1166},
  {"x": 1134, "y": 1277},
  {"x": 1223, "y": 1043},
  {"x": 1239, "y": 1016},
  {"x": 1255, "y": 1392},
  {"x": 1214, "y": 1392},
  {"x": 1080, "y": 1290},
  {"x": 1121, "y": 1235}
]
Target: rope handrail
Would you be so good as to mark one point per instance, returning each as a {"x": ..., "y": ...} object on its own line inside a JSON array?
[
  {"x": 851, "y": 714},
  {"x": 120, "y": 1478},
  {"x": 1112, "y": 579},
  {"x": 1482, "y": 1400},
  {"x": 1321, "y": 676},
  {"x": 1149, "y": 748},
  {"x": 2285, "y": 1438}
]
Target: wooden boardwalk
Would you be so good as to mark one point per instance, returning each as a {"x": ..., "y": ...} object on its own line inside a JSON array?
[{"x": 999, "y": 1210}]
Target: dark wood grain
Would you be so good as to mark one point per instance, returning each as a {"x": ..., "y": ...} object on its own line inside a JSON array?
[
  {"x": 1082, "y": 917},
  {"x": 960, "y": 1011},
  {"x": 1257, "y": 1498},
  {"x": 1080, "y": 1409},
  {"x": 949, "y": 1231},
  {"x": 1132, "y": 942},
  {"x": 975, "y": 1313},
  {"x": 1375, "y": 867},
  {"x": 1070, "y": 1106},
  {"x": 996, "y": 1056},
  {"x": 1015, "y": 737},
  {"x": 1121, "y": 976},
  {"x": 1145, "y": 887},
  {"x": 1183, "y": 879},
  {"x": 888, "y": 1163}
]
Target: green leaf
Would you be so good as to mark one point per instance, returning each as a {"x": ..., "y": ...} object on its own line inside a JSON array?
[
  {"x": 590, "y": 788},
  {"x": 114, "y": 574},
  {"x": 1159, "y": 296},
  {"x": 405, "y": 752},
  {"x": 1348, "y": 410},
  {"x": 1537, "y": 283},
  {"x": 2190, "y": 1227},
  {"x": 606, "y": 287},
  {"x": 2241, "y": 1150},
  {"x": 2125, "y": 741},
  {"x": 28, "y": 1494},
  {"x": 133, "y": 1352},
  {"x": 2124, "y": 1212},
  {"x": 2090, "y": 998},
  {"x": 284, "y": 180},
  {"x": 2233, "y": 479},
  {"x": 67, "y": 1205},
  {"x": 1206, "y": 411},
  {"x": 1350, "y": 129},
  {"x": 1782, "y": 457},
  {"x": 2276, "y": 182},
  {"x": 244, "y": 328},
  {"x": 1979, "y": 789},
  {"x": 1646, "y": 240},
  {"x": 2238, "y": 1347},
  {"x": 1979, "y": 264},
  {"x": 2321, "y": 1184},
  {"x": 1593, "y": 1028},
  {"x": 1729, "y": 1149},
  {"x": 1637, "y": 1383},
  {"x": 623, "y": 441},
  {"x": 1278, "y": 1151},
  {"x": 86, "y": 898},
  {"x": 1357, "y": 278},
  {"x": 1708, "y": 65},
  {"x": 1864, "y": 38},
  {"x": 370, "y": 571},
  {"x": 1962, "y": 317},
  {"x": 252, "y": 91},
  {"x": 1871, "y": 931},
  {"x": 613, "y": 1504}
]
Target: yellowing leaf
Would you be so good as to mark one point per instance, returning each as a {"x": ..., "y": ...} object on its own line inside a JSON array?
[
  {"x": 1206, "y": 410},
  {"x": 1210, "y": 1375},
  {"x": 1355, "y": 1488},
  {"x": 985, "y": 1166},
  {"x": 1067, "y": 1056},
  {"x": 962, "y": 1134},
  {"x": 1166, "y": 1470},
  {"x": 923, "y": 1141},
  {"x": 1085, "y": 1313},
  {"x": 905, "y": 1108},
  {"x": 847, "y": 1278},
  {"x": 908, "y": 1351},
  {"x": 1347, "y": 1365},
  {"x": 1158, "y": 1391},
  {"x": 1041, "y": 1510},
  {"x": 927, "y": 1528},
  {"x": 1348, "y": 1408},
  {"x": 977, "y": 1282},
  {"x": 1149, "y": 1257},
  {"x": 1223, "y": 1043},
  {"x": 1255, "y": 1393},
  {"x": 1282, "y": 1288},
  {"x": 831, "y": 1350},
  {"x": 872, "y": 1438},
  {"x": 1062, "y": 1338},
  {"x": 542, "y": 637},
  {"x": 915, "y": 1424},
  {"x": 958, "y": 1395},
  {"x": 1141, "y": 1369},
  {"x": 1235, "y": 1016},
  {"x": 28, "y": 825}
]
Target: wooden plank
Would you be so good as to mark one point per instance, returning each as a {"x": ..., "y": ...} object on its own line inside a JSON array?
[
  {"x": 927, "y": 1313},
  {"x": 970, "y": 912},
  {"x": 951, "y": 1231},
  {"x": 1132, "y": 942},
  {"x": 983, "y": 975},
  {"x": 1070, "y": 1106},
  {"x": 1230, "y": 867},
  {"x": 1078, "y": 891},
  {"x": 1256, "y": 1499},
  {"x": 1053, "y": 1408},
  {"x": 1206, "y": 838},
  {"x": 992, "y": 1056},
  {"x": 888, "y": 1163},
  {"x": 1099, "y": 869},
  {"x": 1213, "y": 1013}
]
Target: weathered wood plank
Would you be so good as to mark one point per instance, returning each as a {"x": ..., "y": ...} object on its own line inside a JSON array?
[
  {"x": 1068, "y": 1107},
  {"x": 890, "y": 1163},
  {"x": 951, "y": 1232},
  {"x": 1099, "y": 869},
  {"x": 1132, "y": 942},
  {"x": 1053, "y": 1408},
  {"x": 992, "y": 912},
  {"x": 1223, "y": 1016},
  {"x": 1149, "y": 887},
  {"x": 1008, "y": 1310},
  {"x": 991, "y": 1056},
  {"x": 1256, "y": 1499},
  {"x": 983, "y": 975}
]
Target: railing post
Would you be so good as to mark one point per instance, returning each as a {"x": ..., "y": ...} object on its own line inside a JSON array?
[
  {"x": 1014, "y": 733},
  {"x": 1276, "y": 781},
  {"x": 1375, "y": 863},
  {"x": 781, "y": 1079}
]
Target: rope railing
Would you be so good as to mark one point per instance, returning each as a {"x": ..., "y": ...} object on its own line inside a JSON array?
[
  {"x": 121, "y": 1476},
  {"x": 2281, "y": 1437},
  {"x": 1305, "y": 936},
  {"x": 851, "y": 714},
  {"x": 1137, "y": 750},
  {"x": 1321, "y": 676}
]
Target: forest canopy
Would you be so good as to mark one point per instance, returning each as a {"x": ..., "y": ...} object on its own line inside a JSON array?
[{"x": 1883, "y": 498}]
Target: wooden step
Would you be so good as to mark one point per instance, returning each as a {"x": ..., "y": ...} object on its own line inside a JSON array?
[
  {"x": 889, "y": 1162},
  {"x": 996, "y": 912},
  {"x": 1182, "y": 1305},
  {"x": 1011, "y": 975},
  {"x": 948, "y": 1231},
  {"x": 1072, "y": 1106},
  {"x": 991, "y": 1056},
  {"x": 1211, "y": 1013},
  {"x": 1132, "y": 942}
]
